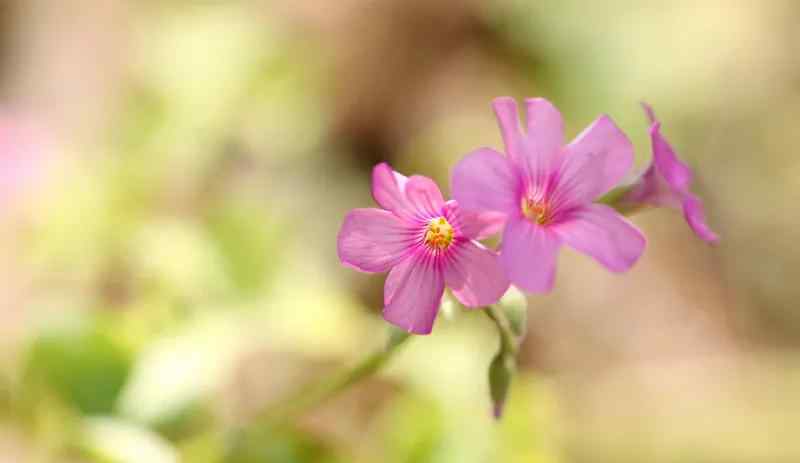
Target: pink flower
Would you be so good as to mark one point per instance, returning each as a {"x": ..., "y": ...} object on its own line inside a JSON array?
[
  {"x": 546, "y": 192},
  {"x": 667, "y": 183},
  {"x": 425, "y": 243}
]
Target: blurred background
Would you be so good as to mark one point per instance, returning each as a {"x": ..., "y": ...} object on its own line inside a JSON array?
[{"x": 174, "y": 174}]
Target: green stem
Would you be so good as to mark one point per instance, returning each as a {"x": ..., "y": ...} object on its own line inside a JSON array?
[
  {"x": 614, "y": 196},
  {"x": 507, "y": 336},
  {"x": 308, "y": 398},
  {"x": 504, "y": 363},
  {"x": 615, "y": 199}
]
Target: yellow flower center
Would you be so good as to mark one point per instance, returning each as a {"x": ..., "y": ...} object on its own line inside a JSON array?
[
  {"x": 535, "y": 211},
  {"x": 439, "y": 234}
]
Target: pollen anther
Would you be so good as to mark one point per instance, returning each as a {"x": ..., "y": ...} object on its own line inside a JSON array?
[
  {"x": 439, "y": 234},
  {"x": 535, "y": 211}
]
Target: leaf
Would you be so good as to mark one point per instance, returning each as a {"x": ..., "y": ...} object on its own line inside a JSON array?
[{"x": 85, "y": 366}]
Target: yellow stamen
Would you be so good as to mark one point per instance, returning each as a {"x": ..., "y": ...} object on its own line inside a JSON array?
[
  {"x": 538, "y": 212},
  {"x": 439, "y": 234}
]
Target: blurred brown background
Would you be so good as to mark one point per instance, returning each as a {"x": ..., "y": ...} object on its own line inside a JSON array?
[{"x": 173, "y": 267}]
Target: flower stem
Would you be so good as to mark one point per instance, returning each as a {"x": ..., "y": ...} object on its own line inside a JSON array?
[
  {"x": 616, "y": 199},
  {"x": 507, "y": 337},
  {"x": 310, "y": 397},
  {"x": 504, "y": 364}
]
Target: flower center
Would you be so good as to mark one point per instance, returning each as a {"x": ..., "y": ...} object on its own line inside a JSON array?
[
  {"x": 439, "y": 234},
  {"x": 536, "y": 211}
]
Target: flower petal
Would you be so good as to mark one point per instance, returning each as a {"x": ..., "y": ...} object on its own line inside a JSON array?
[
  {"x": 600, "y": 232},
  {"x": 652, "y": 189},
  {"x": 505, "y": 109},
  {"x": 695, "y": 215},
  {"x": 413, "y": 294},
  {"x": 578, "y": 181},
  {"x": 605, "y": 140},
  {"x": 677, "y": 174},
  {"x": 388, "y": 189},
  {"x": 475, "y": 225},
  {"x": 648, "y": 111},
  {"x": 474, "y": 274},
  {"x": 667, "y": 183},
  {"x": 373, "y": 240},
  {"x": 424, "y": 196},
  {"x": 480, "y": 225},
  {"x": 486, "y": 181},
  {"x": 544, "y": 139},
  {"x": 528, "y": 255}
]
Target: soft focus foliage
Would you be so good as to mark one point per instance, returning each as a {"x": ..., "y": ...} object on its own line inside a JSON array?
[{"x": 174, "y": 273}]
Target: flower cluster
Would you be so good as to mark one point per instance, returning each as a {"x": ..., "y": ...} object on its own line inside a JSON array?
[{"x": 540, "y": 194}]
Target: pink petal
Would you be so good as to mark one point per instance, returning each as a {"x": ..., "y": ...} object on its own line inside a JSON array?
[
  {"x": 486, "y": 181},
  {"x": 413, "y": 293},
  {"x": 667, "y": 183},
  {"x": 600, "y": 232},
  {"x": 648, "y": 110},
  {"x": 373, "y": 240},
  {"x": 396, "y": 279},
  {"x": 474, "y": 275},
  {"x": 677, "y": 174},
  {"x": 652, "y": 189},
  {"x": 544, "y": 139},
  {"x": 528, "y": 255},
  {"x": 695, "y": 216},
  {"x": 424, "y": 196},
  {"x": 505, "y": 108},
  {"x": 473, "y": 224},
  {"x": 604, "y": 139},
  {"x": 388, "y": 189},
  {"x": 674, "y": 171},
  {"x": 480, "y": 225},
  {"x": 580, "y": 180},
  {"x": 545, "y": 125}
]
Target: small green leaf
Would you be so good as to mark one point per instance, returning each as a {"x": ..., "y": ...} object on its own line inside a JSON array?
[{"x": 79, "y": 361}]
